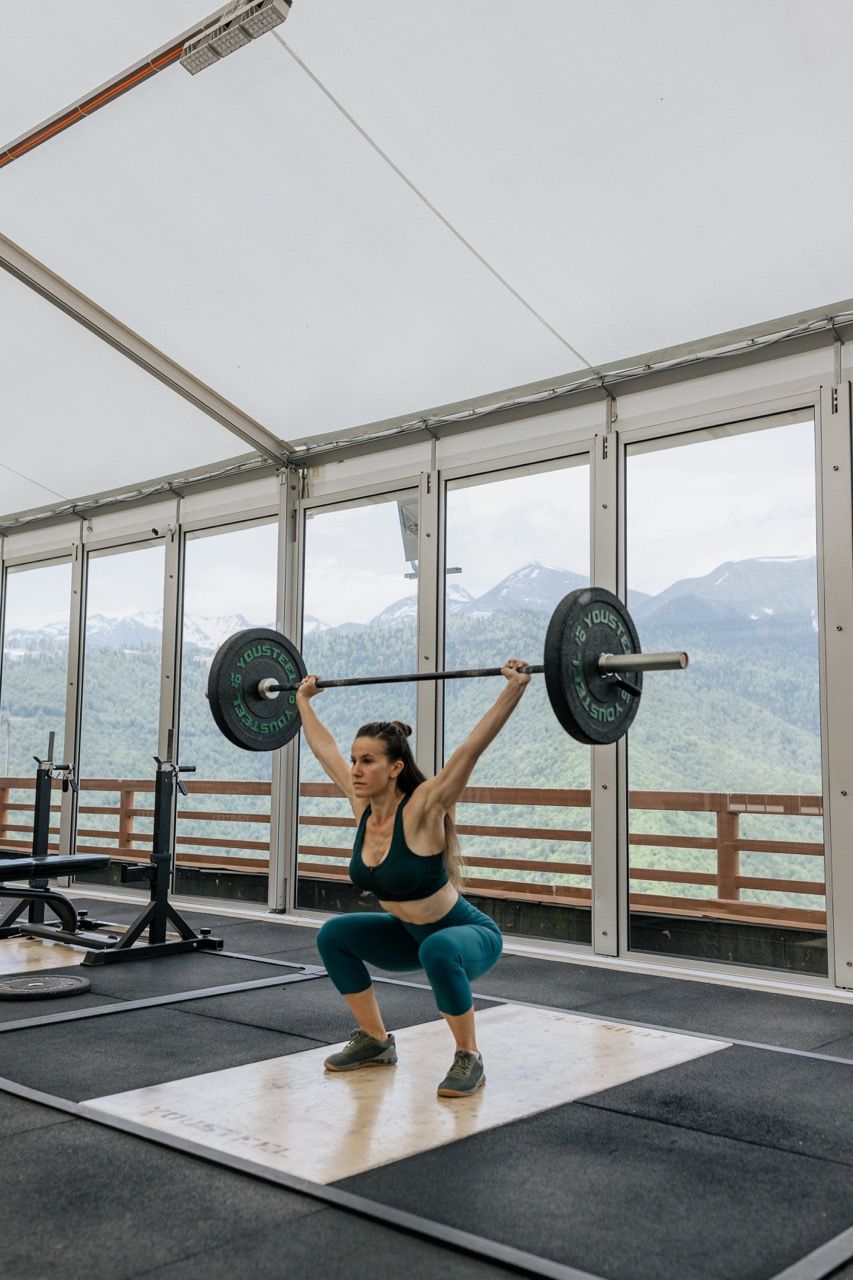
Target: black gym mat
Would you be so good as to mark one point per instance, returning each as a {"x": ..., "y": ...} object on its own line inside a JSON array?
[
  {"x": 296, "y": 952},
  {"x": 330, "y": 1245},
  {"x": 16, "y": 1010},
  {"x": 625, "y": 1198},
  {"x": 737, "y": 1012},
  {"x": 99, "y": 1056},
  {"x": 169, "y": 975},
  {"x": 262, "y": 937},
  {"x": 89, "y": 1203},
  {"x": 314, "y": 1009},
  {"x": 777, "y": 1100},
  {"x": 17, "y": 1115},
  {"x": 256, "y": 937},
  {"x": 842, "y": 1048},
  {"x": 562, "y": 985}
]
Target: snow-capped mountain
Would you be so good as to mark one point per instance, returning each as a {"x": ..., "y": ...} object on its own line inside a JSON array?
[
  {"x": 458, "y": 600},
  {"x": 536, "y": 587},
  {"x": 766, "y": 589},
  {"x": 209, "y": 633}
]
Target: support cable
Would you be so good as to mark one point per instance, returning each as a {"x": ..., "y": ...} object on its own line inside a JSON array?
[{"x": 424, "y": 200}]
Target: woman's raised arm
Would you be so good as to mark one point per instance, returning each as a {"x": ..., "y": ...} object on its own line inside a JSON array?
[
  {"x": 445, "y": 789},
  {"x": 321, "y": 741}
]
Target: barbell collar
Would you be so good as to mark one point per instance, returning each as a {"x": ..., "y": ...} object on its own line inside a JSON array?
[{"x": 642, "y": 662}]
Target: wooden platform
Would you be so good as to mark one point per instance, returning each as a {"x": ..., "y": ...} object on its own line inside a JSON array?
[
  {"x": 289, "y": 1114},
  {"x": 29, "y": 955}
]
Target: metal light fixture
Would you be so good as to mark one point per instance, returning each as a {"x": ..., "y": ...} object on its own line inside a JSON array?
[
  {"x": 245, "y": 20},
  {"x": 233, "y": 37}
]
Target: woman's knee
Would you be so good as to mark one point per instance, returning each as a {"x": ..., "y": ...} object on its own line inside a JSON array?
[
  {"x": 438, "y": 954},
  {"x": 333, "y": 936}
]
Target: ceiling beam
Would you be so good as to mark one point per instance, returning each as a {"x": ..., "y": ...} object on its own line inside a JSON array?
[
  {"x": 141, "y": 71},
  {"x": 75, "y": 304}
]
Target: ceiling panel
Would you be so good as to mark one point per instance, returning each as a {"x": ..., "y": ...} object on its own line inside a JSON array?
[
  {"x": 237, "y": 221},
  {"x": 642, "y": 175},
  {"x": 53, "y": 53},
  {"x": 79, "y": 418},
  {"x": 645, "y": 174}
]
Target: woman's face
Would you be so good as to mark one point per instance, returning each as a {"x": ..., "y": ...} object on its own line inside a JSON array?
[{"x": 371, "y": 770}]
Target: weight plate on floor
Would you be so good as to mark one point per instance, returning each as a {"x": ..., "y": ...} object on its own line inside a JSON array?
[
  {"x": 40, "y": 986},
  {"x": 589, "y": 705},
  {"x": 245, "y": 716}
]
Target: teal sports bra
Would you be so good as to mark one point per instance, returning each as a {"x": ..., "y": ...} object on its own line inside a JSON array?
[{"x": 402, "y": 876}]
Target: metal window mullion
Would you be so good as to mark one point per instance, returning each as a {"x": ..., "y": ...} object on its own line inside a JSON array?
[
  {"x": 170, "y": 662},
  {"x": 836, "y": 557},
  {"x": 69, "y": 804},
  {"x": 430, "y": 610},
  {"x": 4, "y": 578},
  {"x": 284, "y": 801},
  {"x": 607, "y": 768}
]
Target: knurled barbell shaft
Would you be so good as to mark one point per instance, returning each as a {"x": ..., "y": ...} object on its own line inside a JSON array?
[
  {"x": 420, "y": 675},
  {"x": 607, "y": 662}
]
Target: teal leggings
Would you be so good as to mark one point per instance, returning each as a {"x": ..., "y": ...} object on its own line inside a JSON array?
[{"x": 461, "y": 946}]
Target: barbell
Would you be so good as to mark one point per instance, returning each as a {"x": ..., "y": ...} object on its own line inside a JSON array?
[{"x": 593, "y": 668}]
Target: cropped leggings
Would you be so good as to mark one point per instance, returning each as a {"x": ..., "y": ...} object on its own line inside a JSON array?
[{"x": 459, "y": 947}]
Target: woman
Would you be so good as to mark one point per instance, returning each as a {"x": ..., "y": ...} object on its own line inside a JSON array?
[{"x": 407, "y": 853}]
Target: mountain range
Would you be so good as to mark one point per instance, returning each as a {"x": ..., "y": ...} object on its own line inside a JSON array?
[{"x": 761, "y": 592}]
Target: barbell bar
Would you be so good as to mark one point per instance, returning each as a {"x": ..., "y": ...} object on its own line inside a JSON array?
[
  {"x": 607, "y": 663},
  {"x": 590, "y": 646}
]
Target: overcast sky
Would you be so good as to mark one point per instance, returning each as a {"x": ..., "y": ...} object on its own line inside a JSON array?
[{"x": 689, "y": 510}]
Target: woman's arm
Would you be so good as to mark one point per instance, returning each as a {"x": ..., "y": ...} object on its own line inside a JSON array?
[
  {"x": 445, "y": 789},
  {"x": 321, "y": 741}
]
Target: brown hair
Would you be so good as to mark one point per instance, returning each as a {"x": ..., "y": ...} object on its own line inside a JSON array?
[{"x": 394, "y": 736}]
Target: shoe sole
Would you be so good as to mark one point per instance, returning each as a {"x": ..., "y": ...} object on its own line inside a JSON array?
[
  {"x": 461, "y": 1093},
  {"x": 357, "y": 1066}
]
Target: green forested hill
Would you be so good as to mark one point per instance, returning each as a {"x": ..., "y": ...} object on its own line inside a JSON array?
[{"x": 743, "y": 717}]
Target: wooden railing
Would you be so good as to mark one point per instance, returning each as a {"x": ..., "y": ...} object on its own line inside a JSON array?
[{"x": 124, "y": 838}]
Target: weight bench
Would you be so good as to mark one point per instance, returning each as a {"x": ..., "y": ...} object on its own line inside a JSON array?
[{"x": 36, "y": 895}]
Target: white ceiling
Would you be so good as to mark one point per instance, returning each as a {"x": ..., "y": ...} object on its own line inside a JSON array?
[
  {"x": 618, "y": 177},
  {"x": 79, "y": 418}
]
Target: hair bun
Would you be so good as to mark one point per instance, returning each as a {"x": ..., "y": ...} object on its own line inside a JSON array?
[{"x": 404, "y": 729}]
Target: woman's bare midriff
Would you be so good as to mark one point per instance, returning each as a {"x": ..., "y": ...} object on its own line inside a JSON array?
[{"x": 424, "y": 910}]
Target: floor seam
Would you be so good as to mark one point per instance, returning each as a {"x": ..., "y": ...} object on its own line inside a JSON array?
[
  {"x": 726, "y": 1137},
  {"x": 215, "y": 1017},
  {"x": 309, "y": 1210},
  {"x": 34, "y": 1128}
]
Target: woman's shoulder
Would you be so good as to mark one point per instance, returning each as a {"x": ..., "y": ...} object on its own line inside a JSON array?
[
  {"x": 421, "y": 800},
  {"x": 423, "y": 822}
]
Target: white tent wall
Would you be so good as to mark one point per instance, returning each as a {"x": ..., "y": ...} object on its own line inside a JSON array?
[
  {"x": 594, "y": 180},
  {"x": 759, "y": 389}
]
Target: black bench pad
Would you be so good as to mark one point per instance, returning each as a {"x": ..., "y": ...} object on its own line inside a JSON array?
[{"x": 28, "y": 868}]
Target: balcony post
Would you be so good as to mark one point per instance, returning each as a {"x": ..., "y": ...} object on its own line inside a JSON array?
[
  {"x": 127, "y": 802},
  {"x": 728, "y": 854}
]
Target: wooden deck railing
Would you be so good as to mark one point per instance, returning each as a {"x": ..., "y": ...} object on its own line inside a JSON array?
[{"x": 126, "y": 835}]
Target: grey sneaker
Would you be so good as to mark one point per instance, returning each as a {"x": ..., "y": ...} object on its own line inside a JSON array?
[
  {"x": 465, "y": 1076},
  {"x": 363, "y": 1051}
]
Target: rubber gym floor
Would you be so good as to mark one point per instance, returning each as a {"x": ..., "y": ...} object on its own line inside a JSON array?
[{"x": 733, "y": 1162}]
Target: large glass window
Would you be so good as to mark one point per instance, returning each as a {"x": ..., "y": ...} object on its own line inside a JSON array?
[
  {"x": 224, "y": 823},
  {"x": 516, "y": 544},
  {"x": 360, "y": 618},
  {"x": 120, "y": 708},
  {"x": 33, "y": 691},
  {"x": 726, "y": 832}
]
